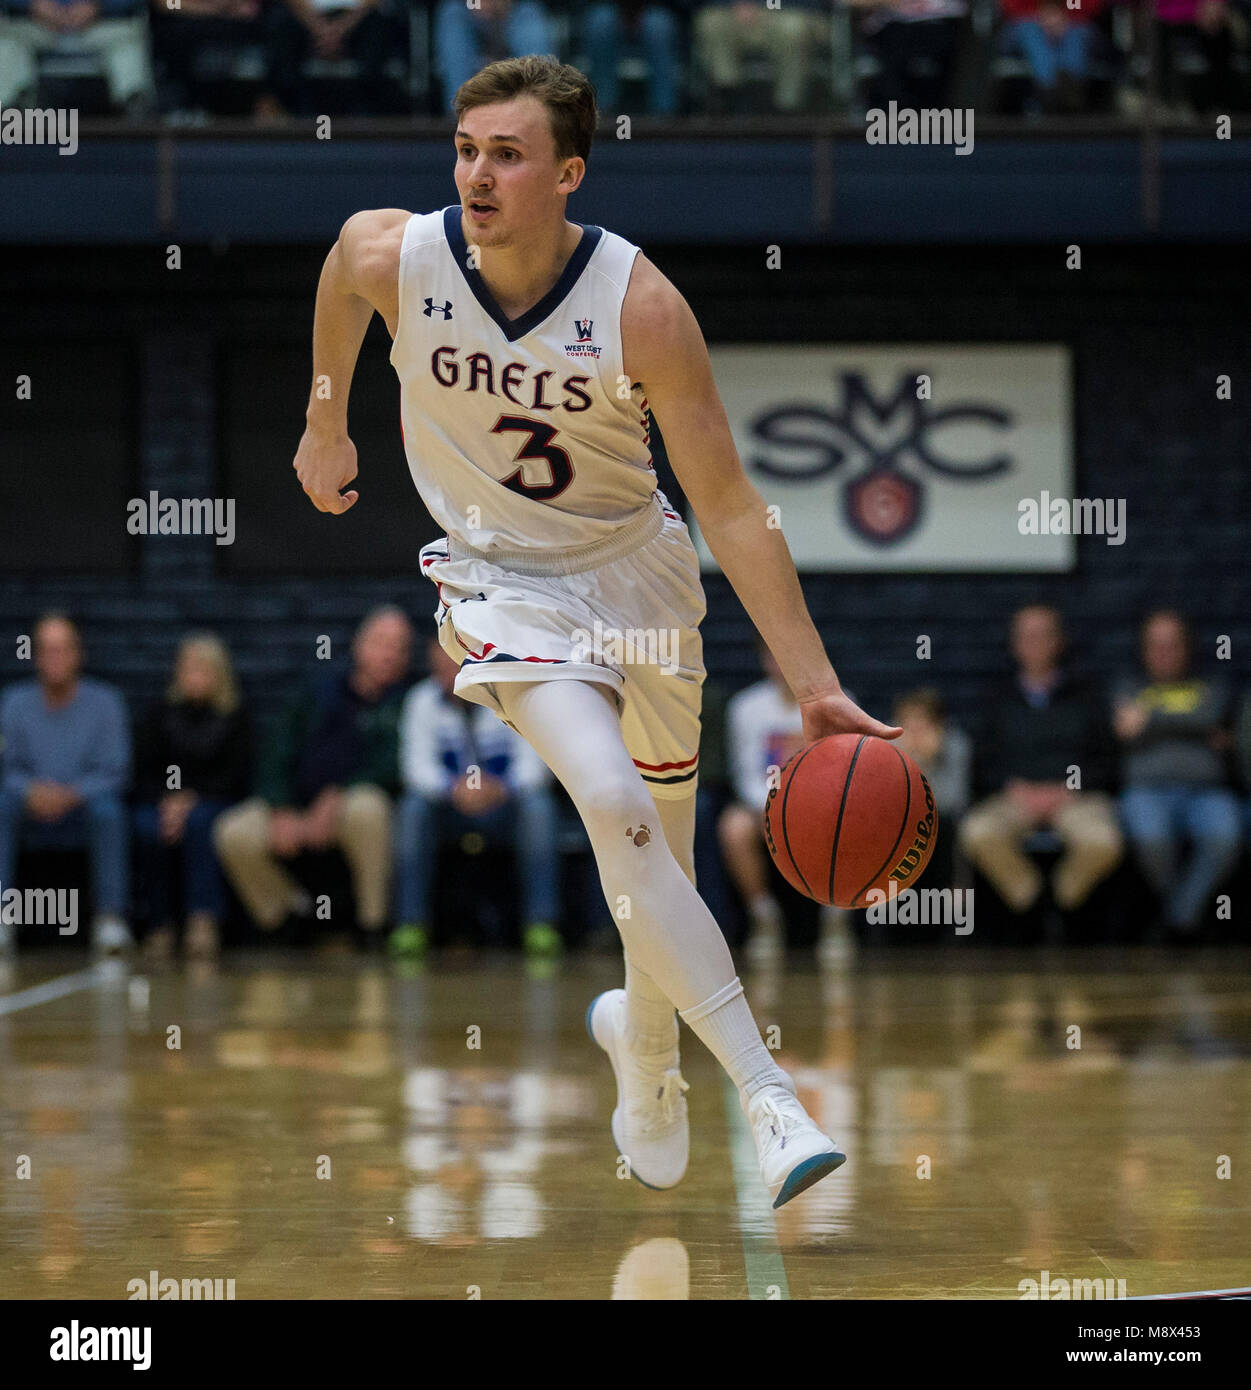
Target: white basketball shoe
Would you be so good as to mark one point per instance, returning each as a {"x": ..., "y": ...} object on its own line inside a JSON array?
[
  {"x": 793, "y": 1152},
  {"x": 649, "y": 1125}
]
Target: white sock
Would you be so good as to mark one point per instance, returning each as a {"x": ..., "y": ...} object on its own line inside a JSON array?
[{"x": 723, "y": 1023}]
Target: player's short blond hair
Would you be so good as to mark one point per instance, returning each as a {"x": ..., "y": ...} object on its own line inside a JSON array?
[{"x": 566, "y": 92}]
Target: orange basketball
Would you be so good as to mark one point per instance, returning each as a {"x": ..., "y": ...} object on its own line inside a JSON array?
[{"x": 849, "y": 814}]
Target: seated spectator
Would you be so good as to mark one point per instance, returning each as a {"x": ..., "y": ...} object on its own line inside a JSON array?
[
  {"x": 1044, "y": 726},
  {"x": 363, "y": 30},
  {"x": 1174, "y": 731},
  {"x": 1210, "y": 30},
  {"x": 466, "y": 40},
  {"x": 1243, "y": 754},
  {"x": 790, "y": 37},
  {"x": 180, "y": 35},
  {"x": 194, "y": 761},
  {"x": 634, "y": 28},
  {"x": 1056, "y": 42},
  {"x": 765, "y": 726},
  {"x": 326, "y": 778},
  {"x": 66, "y": 743},
  {"x": 465, "y": 772},
  {"x": 114, "y": 30},
  {"x": 915, "y": 43},
  {"x": 943, "y": 752}
]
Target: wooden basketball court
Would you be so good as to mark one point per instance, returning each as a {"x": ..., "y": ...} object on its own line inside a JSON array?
[{"x": 327, "y": 1126}]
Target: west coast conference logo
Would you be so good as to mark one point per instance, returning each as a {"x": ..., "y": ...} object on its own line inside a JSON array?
[
  {"x": 584, "y": 347},
  {"x": 873, "y": 438}
]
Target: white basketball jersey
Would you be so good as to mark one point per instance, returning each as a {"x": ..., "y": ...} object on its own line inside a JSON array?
[{"x": 519, "y": 433}]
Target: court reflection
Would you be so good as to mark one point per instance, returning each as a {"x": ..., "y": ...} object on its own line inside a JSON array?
[{"x": 326, "y": 1128}]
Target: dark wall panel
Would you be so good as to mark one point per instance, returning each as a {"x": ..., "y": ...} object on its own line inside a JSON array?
[{"x": 68, "y": 455}]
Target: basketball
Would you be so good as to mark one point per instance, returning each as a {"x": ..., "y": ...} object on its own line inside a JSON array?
[{"x": 850, "y": 813}]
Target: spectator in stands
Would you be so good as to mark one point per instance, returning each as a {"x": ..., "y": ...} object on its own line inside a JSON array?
[
  {"x": 467, "y": 39},
  {"x": 180, "y": 36},
  {"x": 466, "y": 772},
  {"x": 765, "y": 730},
  {"x": 1175, "y": 736},
  {"x": 194, "y": 761},
  {"x": 326, "y": 778},
  {"x": 1207, "y": 31},
  {"x": 66, "y": 744},
  {"x": 915, "y": 43},
  {"x": 116, "y": 31},
  {"x": 944, "y": 753},
  {"x": 1043, "y": 760},
  {"x": 1243, "y": 754},
  {"x": 790, "y": 37},
  {"x": 363, "y": 30},
  {"x": 635, "y": 28},
  {"x": 1056, "y": 42}
]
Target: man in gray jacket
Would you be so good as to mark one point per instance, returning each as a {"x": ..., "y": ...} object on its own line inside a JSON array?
[{"x": 1174, "y": 732}]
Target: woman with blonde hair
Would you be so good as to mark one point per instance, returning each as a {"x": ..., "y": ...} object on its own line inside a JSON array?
[{"x": 193, "y": 761}]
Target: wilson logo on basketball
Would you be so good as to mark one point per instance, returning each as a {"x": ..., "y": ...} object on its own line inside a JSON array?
[{"x": 918, "y": 851}]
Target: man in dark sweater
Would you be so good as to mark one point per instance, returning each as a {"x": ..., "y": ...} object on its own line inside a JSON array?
[
  {"x": 327, "y": 777},
  {"x": 1044, "y": 760}
]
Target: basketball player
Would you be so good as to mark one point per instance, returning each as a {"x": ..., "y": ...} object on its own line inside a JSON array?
[{"x": 530, "y": 350}]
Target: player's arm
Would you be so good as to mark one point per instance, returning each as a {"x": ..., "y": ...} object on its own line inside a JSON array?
[
  {"x": 665, "y": 350},
  {"x": 360, "y": 276}
]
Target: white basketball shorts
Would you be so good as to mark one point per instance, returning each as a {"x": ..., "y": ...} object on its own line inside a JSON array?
[{"x": 624, "y": 612}]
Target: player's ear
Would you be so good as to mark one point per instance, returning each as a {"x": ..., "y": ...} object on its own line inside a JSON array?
[{"x": 572, "y": 174}]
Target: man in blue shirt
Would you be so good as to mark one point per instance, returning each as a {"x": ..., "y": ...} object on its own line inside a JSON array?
[{"x": 66, "y": 760}]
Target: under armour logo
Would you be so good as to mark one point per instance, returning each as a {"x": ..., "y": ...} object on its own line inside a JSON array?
[
  {"x": 583, "y": 327},
  {"x": 432, "y": 308}
]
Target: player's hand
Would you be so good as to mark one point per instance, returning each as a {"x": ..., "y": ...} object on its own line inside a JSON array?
[
  {"x": 325, "y": 464},
  {"x": 836, "y": 713}
]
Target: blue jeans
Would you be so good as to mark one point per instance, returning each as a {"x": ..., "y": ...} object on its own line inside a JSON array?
[
  {"x": 1048, "y": 57},
  {"x": 655, "y": 38},
  {"x": 1158, "y": 820},
  {"x": 98, "y": 825},
  {"x": 204, "y": 889},
  {"x": 459, "y": 35},
  {"x": 526, "y": 822}
]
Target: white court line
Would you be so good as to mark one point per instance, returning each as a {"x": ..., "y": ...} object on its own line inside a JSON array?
[
  {"x": 56, "y": 988},
  {"x": 1181, "y": 1297}
]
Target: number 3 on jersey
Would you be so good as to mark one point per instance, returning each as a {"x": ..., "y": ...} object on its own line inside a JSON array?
[{"x": 538, "y": 446}]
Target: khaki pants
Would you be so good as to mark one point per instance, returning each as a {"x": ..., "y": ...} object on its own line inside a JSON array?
[
  {"x": 992, "y": 833},
  {"x": 268, "y": 890},
  {"x": 789, "y": 37},
  {"x": 120, "y": 44}
]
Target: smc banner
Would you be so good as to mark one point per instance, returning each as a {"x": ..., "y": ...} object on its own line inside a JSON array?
[{"x": 908, "y": 457}]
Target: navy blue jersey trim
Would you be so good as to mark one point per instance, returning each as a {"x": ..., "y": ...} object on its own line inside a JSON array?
[
  {"x": 671, "y": 781},
  {"x": 513, "y": 329},
  {"x": 472, "y": 660}
]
